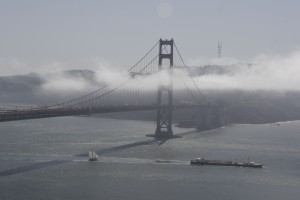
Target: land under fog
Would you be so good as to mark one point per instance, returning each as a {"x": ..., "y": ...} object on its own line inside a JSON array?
[{"x": 242, "y": 106}]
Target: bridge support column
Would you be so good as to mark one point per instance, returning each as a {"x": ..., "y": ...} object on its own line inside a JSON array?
[
  {"x": 204, "y": 120},
  {"x": 165, "y": 93},
  {"x": 210, "y": 116}
]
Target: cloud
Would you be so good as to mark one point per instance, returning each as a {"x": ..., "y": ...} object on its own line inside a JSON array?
[
  {"x": 61, "y": 83},
  {"x": 108, "y": 74},
  {"x": 264, "y": 73},
  {"x": 83, "y": 80}
]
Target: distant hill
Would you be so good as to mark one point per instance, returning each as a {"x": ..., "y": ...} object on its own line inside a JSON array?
[
  {"x": 216, "y": 69},
  {"x": 28, "y": 89}
]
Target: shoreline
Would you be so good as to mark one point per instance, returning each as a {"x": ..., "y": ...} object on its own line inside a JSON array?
[{"x": 176, "y": 122}]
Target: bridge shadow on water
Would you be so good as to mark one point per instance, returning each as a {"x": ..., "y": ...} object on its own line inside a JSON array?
[
  {"x": 100, "y": 152},
  {"x": 31, "y": 167},
  {"x": 126, "y": 146}
]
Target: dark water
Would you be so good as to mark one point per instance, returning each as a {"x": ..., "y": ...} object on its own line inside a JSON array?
[{"x": 43, "y": 159}]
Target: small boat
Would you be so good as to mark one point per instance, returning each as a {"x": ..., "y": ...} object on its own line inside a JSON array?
[
  {"x": 202, "y": 161},
  {"x": 93, "y": 156}
]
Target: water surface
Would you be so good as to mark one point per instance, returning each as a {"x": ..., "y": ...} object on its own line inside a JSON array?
[{"x": 44, "y": 159}]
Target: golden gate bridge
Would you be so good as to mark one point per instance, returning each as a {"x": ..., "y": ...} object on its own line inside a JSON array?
[{"x": 137, "y": 91}]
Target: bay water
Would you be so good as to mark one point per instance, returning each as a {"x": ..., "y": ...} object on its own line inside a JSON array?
[{"x": 47, "y": 159}]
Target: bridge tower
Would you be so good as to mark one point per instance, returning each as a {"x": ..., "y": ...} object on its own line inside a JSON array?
[{"x": 165, "y": 93}]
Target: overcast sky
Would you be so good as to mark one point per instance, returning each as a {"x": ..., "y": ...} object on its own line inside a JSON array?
[{"x": 45, "y": 36}]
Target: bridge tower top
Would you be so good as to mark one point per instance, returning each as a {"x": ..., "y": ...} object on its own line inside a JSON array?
[{"x": 168, "y": 53}]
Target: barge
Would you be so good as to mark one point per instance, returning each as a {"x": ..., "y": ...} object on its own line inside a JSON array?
[{"x": 202, "y": 161}]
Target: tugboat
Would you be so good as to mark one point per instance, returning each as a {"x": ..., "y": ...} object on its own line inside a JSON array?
[
  {"x": 93, "y": 156},
  {"x": 202, "y": 161}
]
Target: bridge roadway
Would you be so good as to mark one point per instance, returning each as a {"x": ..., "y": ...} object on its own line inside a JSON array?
[{"x": 14, "y": 115}]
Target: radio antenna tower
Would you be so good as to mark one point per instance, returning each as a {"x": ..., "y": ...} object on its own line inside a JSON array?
[{"x": 220, "y": 49}]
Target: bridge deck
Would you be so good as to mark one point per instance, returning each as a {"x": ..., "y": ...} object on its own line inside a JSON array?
[{"x": 46, "y": 113}]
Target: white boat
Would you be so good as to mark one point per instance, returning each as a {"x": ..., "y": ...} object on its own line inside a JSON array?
[{"x": 93, "y": 156}]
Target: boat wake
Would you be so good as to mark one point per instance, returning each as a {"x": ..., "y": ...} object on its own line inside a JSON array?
[{"x": 38, "y": 162}]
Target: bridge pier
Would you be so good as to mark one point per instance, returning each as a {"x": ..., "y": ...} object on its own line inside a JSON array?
[{"x": 204, "y": 120}]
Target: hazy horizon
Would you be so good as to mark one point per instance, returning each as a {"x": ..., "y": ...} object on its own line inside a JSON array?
[{"x": 47, "y": 36}]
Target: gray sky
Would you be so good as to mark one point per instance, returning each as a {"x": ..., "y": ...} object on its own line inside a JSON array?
[{"x": 45, "y": 36}]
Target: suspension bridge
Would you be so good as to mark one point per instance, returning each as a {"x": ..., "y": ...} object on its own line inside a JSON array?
[{"x": 158, "y": 81}]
